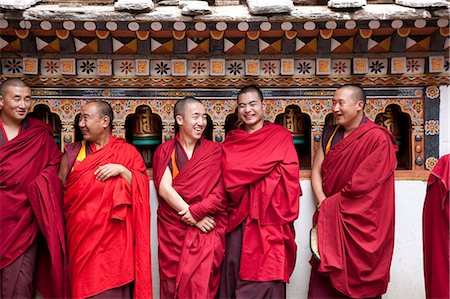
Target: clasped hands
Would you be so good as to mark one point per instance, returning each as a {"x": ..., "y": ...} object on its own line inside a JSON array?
[
  {"x": 107, "y": 171},
  {"x": 206, "y": 225}
]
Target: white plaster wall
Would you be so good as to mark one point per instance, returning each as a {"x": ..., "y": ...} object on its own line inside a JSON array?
[
  {"x": 407, "y": 268},
  {"x": 444, "y": 121}
]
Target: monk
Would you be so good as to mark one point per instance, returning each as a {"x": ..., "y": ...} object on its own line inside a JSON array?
[
  {"x": 436, "y": 216},
  {"x": 107, "y": 211},
  {"x": 192, "y": 208},
  {"x": 353, "y": 182},
  {"x": 261, "y": 176},
  {"x": 31, "y": 200}
]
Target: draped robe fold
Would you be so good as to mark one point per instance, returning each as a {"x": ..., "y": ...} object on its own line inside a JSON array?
[
  {"x": 356, "y": 220},
  {"x": 261, "y": 177},
  {"x": 31, "y": 202},
  {"x": 187, "y": 255},
  {"x": 436, "y": 216},
  {"x": 108, "y": 224}
]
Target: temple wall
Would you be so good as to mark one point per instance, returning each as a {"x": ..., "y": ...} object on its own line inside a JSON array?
[{"x": 407, "y": 268}]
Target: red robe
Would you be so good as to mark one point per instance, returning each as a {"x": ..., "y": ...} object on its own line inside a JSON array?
[
  {"x": 108, "y": 224},
  {"x": 31, "y": 200},
  {"x": 186, "y": 254},
  {"x": 261, "y": 177},
  {"x": 356, "y": 221},
  {"x": 436, "y": 231}
]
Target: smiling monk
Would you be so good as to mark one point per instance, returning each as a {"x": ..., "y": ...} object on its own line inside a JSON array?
[
  {"x": 31, "y": 219},
  {"x": 261, "y": 176},
  {"x": 353, "y": 182},
  {"x": 192, "y": 208},
  {"x": 107, "y": 211}
]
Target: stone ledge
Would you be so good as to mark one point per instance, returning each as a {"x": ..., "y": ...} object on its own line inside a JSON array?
[
  {"x": 17, "y": 4},
  {"x": 222, "y": 13}
]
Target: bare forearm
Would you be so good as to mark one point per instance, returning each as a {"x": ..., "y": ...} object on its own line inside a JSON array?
[
  {"x": 169, "y": 194},
  {"x": 126, "y": 175},
  {"x": 316, "y": 177}
]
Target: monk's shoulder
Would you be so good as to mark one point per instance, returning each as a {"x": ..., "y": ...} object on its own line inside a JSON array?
[
  {"x": 380, "y": 134},
  {"x": 280, "y": 130},
  {"x": 210, "y": 144}
]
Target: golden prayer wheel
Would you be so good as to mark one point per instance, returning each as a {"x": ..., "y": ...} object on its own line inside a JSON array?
[
  {"x": 390, "y": 119},
  {"x": 145, "y": 123},
  {"x": 293, "y": 120}
]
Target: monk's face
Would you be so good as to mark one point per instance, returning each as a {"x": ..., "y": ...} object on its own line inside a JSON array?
[
  {"x": 92, "y": 124},
  {"x": 346, "y": 108},
  {"x": 16, "y": 103},
  {"x": 193, "y": 121},
  {"x": 250, "y": 109}
]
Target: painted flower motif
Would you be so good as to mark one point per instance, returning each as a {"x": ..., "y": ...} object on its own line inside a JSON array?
[
  {"x": 430, "y": 163},
  {"x": 269, "y": 68},
  {"x": 198, "y": 68},
  {"x": 317, "y": 107},
  {"x": 340, "y": 67},
  {"x": 208, "y": 105},
  {"x": 167, "y": 108},
  {"x": 158, "y": 103},
  {"x": 431, "y": 127},
  {"x": 117, "y": 107},
  {"x": 235, "y": 68},
  {"x": 412, "y": 65},
  {"x": 128, "y": 105},
  {"x": 447, "y": 65},
  {"x": 87, "y": 67},
  {"x": 126, "y": 67},
  {"x": 51, "y": 67},
  {"x": 376, "y": 66},
  {"x": 67, "y": 108},
  {"x": 162, "y": 68},
  {"x": 304, "y": 68},
  {"x": 14, "y": 66},
  {"x": 218, "y": 107},
  {"x": 432, "y": 92}
]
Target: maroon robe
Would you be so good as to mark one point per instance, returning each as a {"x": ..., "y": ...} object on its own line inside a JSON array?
[
  {"x": 356, "y": 220},
  {"x": 190, "y": 260},
  {"x": 261, "y": 177},
  {"x": 436, "y": 231},
  {"x": 31, "y": 202}
]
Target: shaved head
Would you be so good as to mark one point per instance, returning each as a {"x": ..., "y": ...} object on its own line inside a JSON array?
[
  {"x": 180, "y": 106},
  {"x": 357, "y": 92},
  {"x": 11, "y": 82},
  {"x": 104, "y": 109}
]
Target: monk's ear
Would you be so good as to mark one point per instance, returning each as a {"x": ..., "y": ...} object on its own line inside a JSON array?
[
  {"x": 1, "y": 103},
  {"x": 105, "y": 121},
  {"x": 179, "y": 120},
  {"x": 360, "y": 105}
]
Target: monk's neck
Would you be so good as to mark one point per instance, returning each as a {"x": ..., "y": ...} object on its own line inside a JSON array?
[
  {"x": 253, "y": 128},
  {"x": 188, "y": 145},
  {"x": 101, "y": 142},
  {"x": 353, "y": 126}
]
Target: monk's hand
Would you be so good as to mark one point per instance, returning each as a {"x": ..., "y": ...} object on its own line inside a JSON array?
[
  {"x": 187, "y": 217},
  {"x": 320, "y": 201},
  {"x": 107, "y": 171},
  {"x": 206, "y": 225}
]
